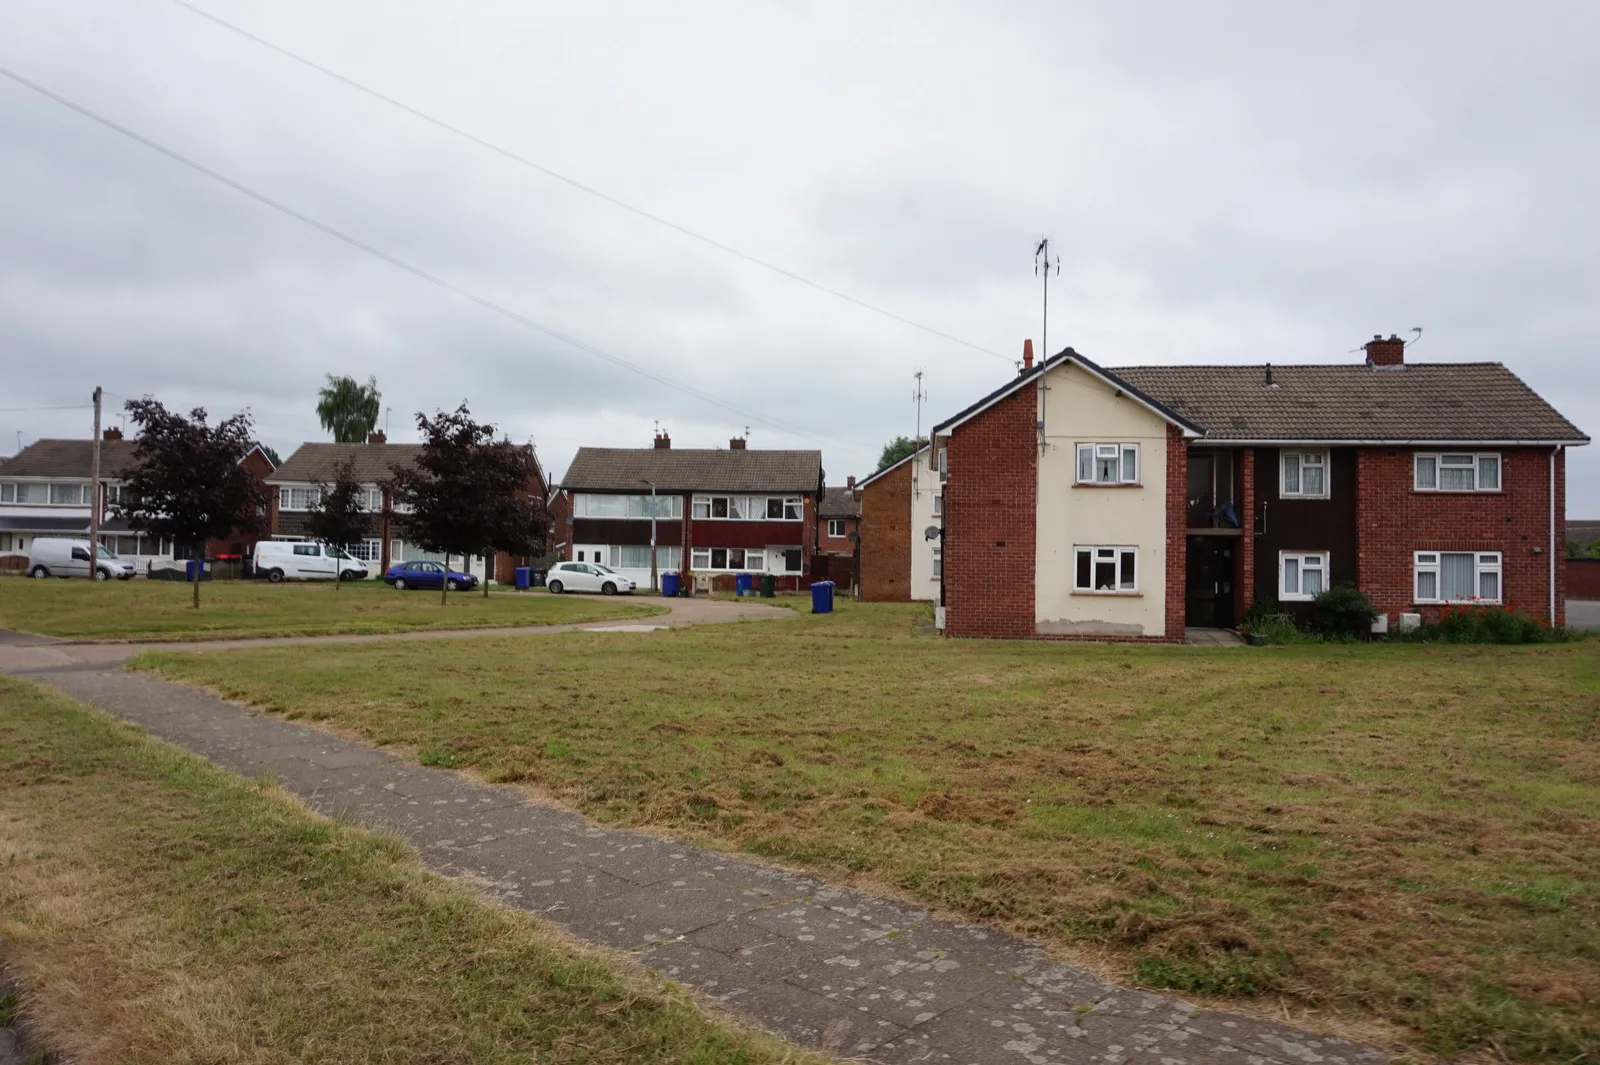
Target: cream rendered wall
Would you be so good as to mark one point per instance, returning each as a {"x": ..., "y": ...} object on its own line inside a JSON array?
[
  {"x": 924, "y": 487},
  {"x": 1079, "y": 408}
]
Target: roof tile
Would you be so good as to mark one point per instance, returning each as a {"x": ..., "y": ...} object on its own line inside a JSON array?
[{"x": 612, "y": 469}]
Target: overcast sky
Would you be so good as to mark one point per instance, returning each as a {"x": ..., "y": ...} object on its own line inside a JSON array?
[{"x": 1276, "y": 182}]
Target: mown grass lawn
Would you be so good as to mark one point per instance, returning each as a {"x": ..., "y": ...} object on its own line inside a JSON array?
[
  {"x": 154, "y": 910},
  {"x": 1402, "y": 832},
  {"x": 161, "y": 610}
]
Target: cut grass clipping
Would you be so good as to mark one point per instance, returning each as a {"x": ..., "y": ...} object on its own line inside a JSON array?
[
  {"x": 160, "y": 610},
  {"x": 159, "y": 911},
  {"x": 1411, "y": 833}
]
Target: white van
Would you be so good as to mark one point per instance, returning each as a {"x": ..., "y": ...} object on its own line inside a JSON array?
[
  {"x": 55, "y": 556},
  {"x": 306, "y": 560}
]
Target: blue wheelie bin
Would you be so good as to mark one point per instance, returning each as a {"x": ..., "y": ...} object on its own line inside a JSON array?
[
  {"x": 524, "y": 578},
  {"x": 822, "y": 597},
  {"x": 670, "y": 583},
  {"x": 743, "y": 584}
]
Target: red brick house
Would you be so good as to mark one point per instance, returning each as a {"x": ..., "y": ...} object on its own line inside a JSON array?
[
  {"x": 717, "y": 512},
  {"x": 1079, "y": 496},
  {"x": 899, "y": 504}
]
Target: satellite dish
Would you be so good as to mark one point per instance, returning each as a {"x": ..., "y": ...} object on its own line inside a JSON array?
[{"x": 932, "y": 532}]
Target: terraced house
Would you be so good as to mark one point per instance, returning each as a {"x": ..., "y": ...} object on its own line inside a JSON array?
[
  {"x": 718, "y": 512},
  {"x": 1088, "y": 503}
]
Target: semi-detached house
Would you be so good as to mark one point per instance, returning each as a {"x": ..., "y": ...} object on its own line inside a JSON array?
[
  {"x": 1082, "y": 502},
  {"x": 718, "y": 512}
]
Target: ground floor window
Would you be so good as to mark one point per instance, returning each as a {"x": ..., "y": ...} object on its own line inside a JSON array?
[
  {"x": 1106, "y": 569},
  {"x": 938, "y": 563},
  {"x": 1302, "y": 575},
  {"x": 10, "y": 542},
  {"x": 746, "y": 559},
  {"x": 1457, "y": 576},
  {"x": 368, "y": 550},
  {"x": 630, "y": 557}
]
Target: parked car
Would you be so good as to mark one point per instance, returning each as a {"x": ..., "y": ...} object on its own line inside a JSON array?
[
  {"x": 587, "y": 577},
  {"x": 405, "y": 575},
  {"x": 306, "y": 560},
  {"x": 55, "y": 556}
]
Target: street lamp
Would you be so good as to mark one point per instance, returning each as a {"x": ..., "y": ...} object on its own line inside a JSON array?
[{"x": 654, "y": 584}]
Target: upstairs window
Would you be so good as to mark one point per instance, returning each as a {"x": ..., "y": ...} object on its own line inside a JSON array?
[
  {"x": 835, "y": 527},
  {"x": 1106, "y": 570},
  {"x": 938, "y": 506},
  {"x": 944, "y": 465},
  {"x": 1303, "y": 475},
  {"x": 1462, "y": 471},
  {"x": 1108, "y": 463},
  {"x": 298, "y": 498}
]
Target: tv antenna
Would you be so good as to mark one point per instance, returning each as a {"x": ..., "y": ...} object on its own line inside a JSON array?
[
  {"x": 1043, "y": 264},
  {"x": 918, "y": 394}
]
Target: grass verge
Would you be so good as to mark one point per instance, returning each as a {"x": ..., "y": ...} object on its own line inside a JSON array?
[
  {"x": 160, "y": 610},
  {"x": 1402, "y": 832},
  {"x": 159, "y": 911}
]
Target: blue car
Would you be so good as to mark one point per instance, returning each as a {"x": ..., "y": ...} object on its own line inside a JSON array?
[{"x": 404, "y": 575}]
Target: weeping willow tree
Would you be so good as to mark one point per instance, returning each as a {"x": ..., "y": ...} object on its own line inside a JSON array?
[{"x": 349, "y": 409}]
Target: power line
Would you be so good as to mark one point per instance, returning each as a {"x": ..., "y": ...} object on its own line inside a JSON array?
[
  {"x": 17, "y": 410},
  {"x": 580, "y": 186},
  {"x": 418, "y": 271}
]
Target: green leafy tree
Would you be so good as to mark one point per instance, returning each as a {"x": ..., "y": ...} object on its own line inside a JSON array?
[
  {"x": 471, "y": 493},
  {"x": 340, "y": 516},
  {"x": 897, "y": 449},
  {"x": 186, "y": 483},
  {"x": 271, "y": 453},
  {"x": 348, "y": 409}
]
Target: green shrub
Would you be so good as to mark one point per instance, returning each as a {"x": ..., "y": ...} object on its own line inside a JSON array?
[
  {"x": 1343, "y": 612},
  {"x": 1260, "y": 610},
  {"x": 1471, "y": 623}
]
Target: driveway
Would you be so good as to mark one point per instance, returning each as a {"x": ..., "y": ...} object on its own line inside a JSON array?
[
  {"x": 1584, "y": 614},
  {"x": 23, "y": 652}
]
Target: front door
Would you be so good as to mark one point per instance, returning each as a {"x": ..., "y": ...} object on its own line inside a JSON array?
[{"x": 1209, "y": 598}]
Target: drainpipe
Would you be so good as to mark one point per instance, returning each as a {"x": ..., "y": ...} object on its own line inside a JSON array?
[{"x": 1552, "y": 614}]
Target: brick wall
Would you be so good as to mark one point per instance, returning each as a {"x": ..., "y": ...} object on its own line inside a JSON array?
[
  {"x": 1247, "y": 530},
  {"x": 1394, "y": 520},
  {"x": 886, "y": 537},
  {"x": 990, "y": 518},
  {"x": 1177, "y": 531},
  {"x": 836, "y": 545}
]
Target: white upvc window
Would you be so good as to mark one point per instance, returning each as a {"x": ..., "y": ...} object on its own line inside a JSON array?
[
  {"x": 944, "y": 465},
  {"x": 368, "y": 550},
  {"x": 298, "y": 498},
  {"x": 938, "y": 506},
  {"x": 1457, "y": 576},
  {"x": 1302, "y": 575},
  {"x": 836, "y": 527},
  {"x": 1303, "y": 475},
  {"x": 938, "y": 563},
  {"x": 1108, "y": 463},
  {"x": 372, "y": 503},
  {"x": 1106, "y": 570},
  {"x": 1457, "y": 471},
  {"x": 747, "y": 508}
]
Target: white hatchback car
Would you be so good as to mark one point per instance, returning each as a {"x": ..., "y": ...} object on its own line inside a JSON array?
[{"x": 587, "y": 577}]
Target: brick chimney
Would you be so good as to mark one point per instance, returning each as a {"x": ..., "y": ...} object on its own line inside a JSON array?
[
  {"x": 112, "y": 433},
  {"x": 663, "y": 441},
  {"x": 1381, "y": 352},
  {"x": 1027, "y": 355},
  {"x": 736, "y": 444},
  {"x": 850, "y": 482},
  {"x": 377, "y": 436}
]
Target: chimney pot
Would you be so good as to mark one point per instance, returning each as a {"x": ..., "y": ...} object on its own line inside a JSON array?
[
  {"x": 1027, "y": 355},
  {"x": 1381, "y": 352},
  {"x": 663, "y": 442},
  {"x": 736, "y": 444},
  {"x": 112, "y": 433},
  {"x": 377, "y": 436}
]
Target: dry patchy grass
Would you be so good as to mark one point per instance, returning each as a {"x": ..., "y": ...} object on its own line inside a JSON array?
[
  {"x": 1408, "y": 833},
  {"x": 154, "y": 910},
  {"x": 160, "y": 610}
]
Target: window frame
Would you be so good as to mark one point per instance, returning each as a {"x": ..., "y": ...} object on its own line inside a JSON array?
[
  {"x": 1324, "y": 462},
  {"x": 839, "y": 523},
  {"x": 1477, "y": 457},
  {"x": 1481, "y": 564},
  {"x": 1118, "y": 553},
  {"x": 312, "y": 496},
  {"x": 1115, "y": 451},
  {"x": 1301, "y": 557}
]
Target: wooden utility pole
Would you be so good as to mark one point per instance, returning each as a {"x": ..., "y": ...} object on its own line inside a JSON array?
[{"x": 94, "y": 495}]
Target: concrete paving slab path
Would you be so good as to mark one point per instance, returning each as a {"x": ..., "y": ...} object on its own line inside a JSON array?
[{"x": 837, "y": 970}]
